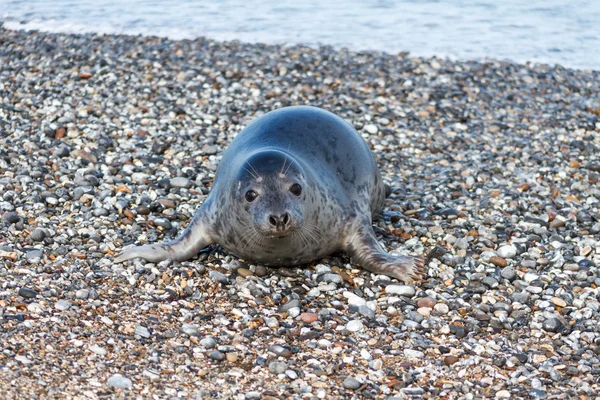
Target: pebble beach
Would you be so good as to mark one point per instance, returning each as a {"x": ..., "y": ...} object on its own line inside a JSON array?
[{"x": 112, "y": 140}]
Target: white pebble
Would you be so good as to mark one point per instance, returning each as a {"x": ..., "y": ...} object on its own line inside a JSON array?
[
  {"x": 400, "y": 290},
  {"x": 371, "y": 129},
  {"x": 354, "y": 326},
  {"x": 507, "y": 251},
  {"x": 119, "y": 381},
  {"x": 101, "y": 351}
]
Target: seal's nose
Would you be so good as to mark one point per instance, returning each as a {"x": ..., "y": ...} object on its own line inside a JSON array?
[{"x": 280, "y": 222}]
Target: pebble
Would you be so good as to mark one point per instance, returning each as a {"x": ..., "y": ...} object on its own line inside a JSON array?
[
  {"x": 426, "y": 302},
  {"x": 11, "y": 217},
  {"x": 261, "y": 271},
  {"x": 180, "y": 182},
  {"x": 309, "y": 317},
  {"x": 244, "y": 272},
  {"x": 371, "y": 129},
  {"x": 538, "y": 394},
  {"x": 366, "y": 311},
  {"x": 498, "y": 261},
  {"x": 509, "y": 273},
  {"x": 38, "y": 235},
  {"x": 441, "y": 308},
  {"x": 152, "y": 375},
  {"x": 451, "y": 360},
  {"x": 400, "y": 290},
  {"x": 33, "y": 255},
  {"x": 354, "y": 326},
  {"x": 508, "y": 251},
  {"x": 280, "y": 351},
  {"x": 191, "y": 330},
  {"x": 101, "y": 351},
  {"x": 355, "y": 300},
  {"x": 293, "y": 312},
  {"x": 330, "y": 278},
  {"x": 62, "y": 305},
  {"x": 219, "y": 277},
  {"x": 142, "y": 331},
  {"x": 119, "y": 381},
  {"x": 557, "y": 301},
  {"x": 208, "y": 343},
  {"x": 376, "y": 364},
  {"x": 277, "y": 367},
  {"x": 552, "y": 325},
  {"x": 216, "y": 355},
  {"x": 351, "y": 383},
  {"x": 27, "y": 293}
]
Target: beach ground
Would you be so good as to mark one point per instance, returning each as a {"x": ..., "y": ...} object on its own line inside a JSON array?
[{"x": 107, "y": 141}]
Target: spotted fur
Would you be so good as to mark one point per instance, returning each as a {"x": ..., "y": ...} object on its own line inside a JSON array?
[{"x": 342, "y": 189}]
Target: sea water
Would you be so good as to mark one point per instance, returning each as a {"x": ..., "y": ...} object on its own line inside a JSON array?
[{"x": 566, "y": 32}]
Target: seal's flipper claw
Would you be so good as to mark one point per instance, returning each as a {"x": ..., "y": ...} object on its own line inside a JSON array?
[
  {"x": 364, "y": 249},
  {"x": 406, "y": 269}
]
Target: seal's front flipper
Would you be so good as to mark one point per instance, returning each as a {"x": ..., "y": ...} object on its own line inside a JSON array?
[
  {"x": 195, "y": 237},
  {"x": 365, "y": 250},
  {"x": 151, "y": 252}
]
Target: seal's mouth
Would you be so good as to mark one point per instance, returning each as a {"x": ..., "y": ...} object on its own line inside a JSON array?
[
  {"x": 278, "y": 236},
  {"x": 270, "y": 234}
]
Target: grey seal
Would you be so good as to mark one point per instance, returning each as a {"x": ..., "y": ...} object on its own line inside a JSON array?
[{"x": 297, "y": 184}]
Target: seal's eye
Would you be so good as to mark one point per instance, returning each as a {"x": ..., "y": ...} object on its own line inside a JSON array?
[
  {"x": 296, "y": 189},
  {"x": 251, "y": 195}
]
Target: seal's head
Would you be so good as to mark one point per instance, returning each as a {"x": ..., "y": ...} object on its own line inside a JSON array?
[{"x": 271, "y": 186}]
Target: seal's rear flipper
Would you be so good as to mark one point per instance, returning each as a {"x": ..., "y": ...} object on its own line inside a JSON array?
[
  {"x": 365, "y": 250},
  {"x": 186, "y": 246}
]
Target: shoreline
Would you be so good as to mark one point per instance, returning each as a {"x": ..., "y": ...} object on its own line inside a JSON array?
[
  {"x": 316, "y": 46},
  {"x": 108, "y": 140}
]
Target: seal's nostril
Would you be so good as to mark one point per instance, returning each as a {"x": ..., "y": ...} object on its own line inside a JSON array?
[
  {"x": 272, "y": 220},
  {"x": 285, "y": 218}
]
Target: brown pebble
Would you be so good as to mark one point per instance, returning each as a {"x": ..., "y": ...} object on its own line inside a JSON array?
[
  {"x": 426, "y": 302},
  {"x": 60, "y": 133},
  {"x": 85, "y": 75},
  {"x": 79, "y": 153},
  {"x": 123, "y": 189},
  {"x": 11, "y": 255},
  {"x": 449, "y": 360},
  {"x": 557, "y": 223},
  {"x": 347, "y": 278},
  {"x": 557, "y": 301},
  {"x": 166, "y": 203},
  {"x": 260, "y": 271},
  {"x": 127, "y": 212},
  {"x": 142, "y": 210},
  {"x": 309, "y": 317},
  {"x": 498, "y": 261},
  {"x": 244, "y": 272},
  {"x": 231, "y": 357}
]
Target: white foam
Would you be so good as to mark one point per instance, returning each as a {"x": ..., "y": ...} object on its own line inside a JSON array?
[{"x": 547, "y": 31}]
